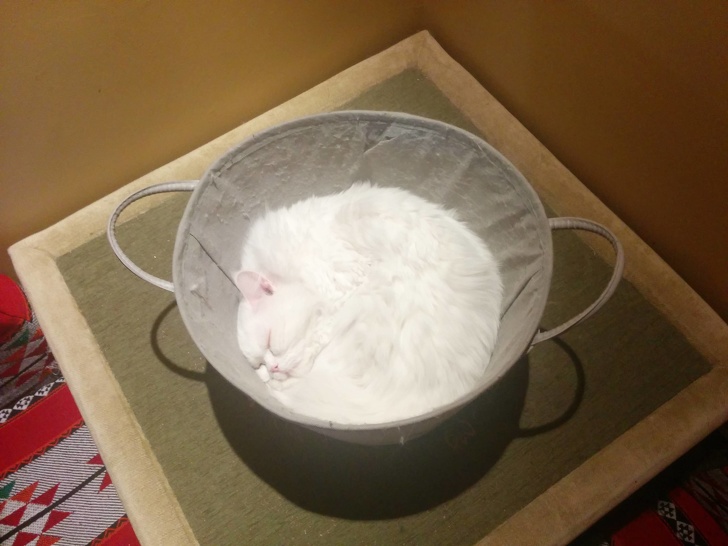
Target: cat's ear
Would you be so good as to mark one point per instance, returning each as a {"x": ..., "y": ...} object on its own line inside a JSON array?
[{"x": 253, "y": 286}]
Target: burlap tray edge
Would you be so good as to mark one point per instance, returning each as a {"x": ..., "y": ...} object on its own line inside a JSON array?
[{"x": 564, "y": 510}]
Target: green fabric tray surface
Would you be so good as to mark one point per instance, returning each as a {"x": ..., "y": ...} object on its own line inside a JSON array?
[{"x": 242, "y": 476}]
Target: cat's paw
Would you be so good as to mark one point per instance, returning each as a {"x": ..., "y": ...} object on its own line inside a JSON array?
[
  {"x": 263, "y": 373},
  {"x": 278, "y": 384},
  {"x": 279, "y": 375}
]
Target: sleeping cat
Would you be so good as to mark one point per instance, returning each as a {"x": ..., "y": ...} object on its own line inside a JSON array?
[{"x": 367, "y": 306}]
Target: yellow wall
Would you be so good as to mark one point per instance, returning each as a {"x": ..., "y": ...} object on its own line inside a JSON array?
[
  {"x": 94, "y": 94},
  {"x": 631, "y": 96}
]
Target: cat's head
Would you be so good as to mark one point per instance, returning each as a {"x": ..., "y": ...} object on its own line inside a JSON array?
[{"x": 277, "y": 324}]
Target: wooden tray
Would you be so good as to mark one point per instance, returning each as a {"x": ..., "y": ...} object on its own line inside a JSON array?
[{"x": 576, "y": 427}]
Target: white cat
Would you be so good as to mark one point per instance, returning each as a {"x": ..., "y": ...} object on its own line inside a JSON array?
[{"x": 367, "y": 306}]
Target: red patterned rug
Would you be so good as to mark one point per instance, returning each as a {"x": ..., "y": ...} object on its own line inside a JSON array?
[{"x": 54, "y": 488}]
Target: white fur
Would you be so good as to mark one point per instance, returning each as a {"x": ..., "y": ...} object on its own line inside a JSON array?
[{"x": 375, "y": 305}]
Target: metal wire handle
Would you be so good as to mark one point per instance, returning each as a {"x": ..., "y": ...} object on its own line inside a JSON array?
[
  {"x": 182, "y": 185},
  {"x": 586, "y": 225},
  {"x": 554, "y": 224}
]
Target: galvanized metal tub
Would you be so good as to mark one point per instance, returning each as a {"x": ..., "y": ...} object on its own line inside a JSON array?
[{"x": 324, "y": 154}]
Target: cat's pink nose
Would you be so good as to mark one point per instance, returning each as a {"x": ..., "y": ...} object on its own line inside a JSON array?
[{"x": 275, "y": 368}]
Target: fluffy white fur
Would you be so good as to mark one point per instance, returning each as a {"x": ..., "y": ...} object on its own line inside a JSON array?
[{"x": 367, "y": 306}]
